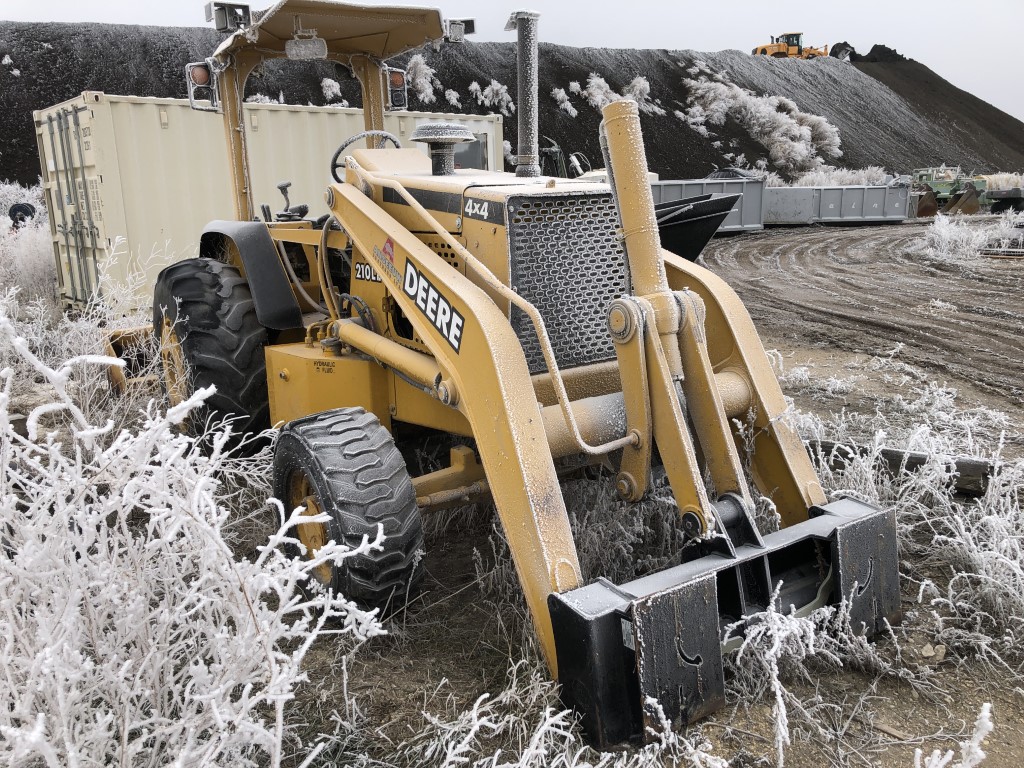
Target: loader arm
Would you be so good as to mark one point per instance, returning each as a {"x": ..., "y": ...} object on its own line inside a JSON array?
[
  {"x": 779, "y": 464},
  {"x": 485, "y": 360}
]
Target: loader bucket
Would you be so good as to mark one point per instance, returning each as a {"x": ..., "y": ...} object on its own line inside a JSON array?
[
  {"x": 687, "y": 225},
  {"x": 620, "y": 646},
  {"x": 963, "y": 201},
  {"x": 927, "y": 204}
]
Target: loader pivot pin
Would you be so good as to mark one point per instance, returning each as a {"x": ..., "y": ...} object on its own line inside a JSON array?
[{"x": 693, "y": 526}]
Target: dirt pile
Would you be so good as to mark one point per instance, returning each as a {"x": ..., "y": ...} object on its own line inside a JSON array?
[{"x": 916, "y": 117}]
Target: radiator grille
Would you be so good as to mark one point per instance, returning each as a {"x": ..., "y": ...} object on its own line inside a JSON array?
[{"x": 566, "y": 260}]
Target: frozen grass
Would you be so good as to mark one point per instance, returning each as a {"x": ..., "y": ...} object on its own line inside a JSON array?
[
  {"x": 998, "y": 181},
  {"x": 131, "y": 632},
  {"x": 494, "y": 95},
  {"x": 26, "y": 254},
  {"x": 959, "y": 238},
  {"x": 829, "y": 176},
  {"x": 564, "y": 102},
  {"x": 971, "y": 753},
  {"x": 796, "y": 141},
  {"x": 599, "y": 94}
]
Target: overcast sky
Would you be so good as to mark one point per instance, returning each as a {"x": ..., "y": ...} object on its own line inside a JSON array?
[{"x": 976, "y": 45}]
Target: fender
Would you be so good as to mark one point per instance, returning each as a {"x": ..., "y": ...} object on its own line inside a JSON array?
[{"x": 276, "y": 305}]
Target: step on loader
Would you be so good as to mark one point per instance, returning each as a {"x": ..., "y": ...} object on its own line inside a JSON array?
[{"x": 539, "y": 322}]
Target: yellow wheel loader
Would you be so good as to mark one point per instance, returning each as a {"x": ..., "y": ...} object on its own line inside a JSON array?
[
  {"x": 789, "y": 45},
  {"x": 539, "y": 323}
]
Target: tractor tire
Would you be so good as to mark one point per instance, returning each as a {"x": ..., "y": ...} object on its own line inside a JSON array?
[
  {"x": 205, "y": 319},
  {"x": 780, "y": 56},
  {"x": 344, "y": 463}
]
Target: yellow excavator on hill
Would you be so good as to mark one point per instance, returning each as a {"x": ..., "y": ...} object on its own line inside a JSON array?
[{"x": 789, "y": 45}]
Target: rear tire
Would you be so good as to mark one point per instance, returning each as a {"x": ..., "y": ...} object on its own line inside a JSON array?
[
  {"x": 205, "y": 319},
  {"x": 344, "y": 463}
]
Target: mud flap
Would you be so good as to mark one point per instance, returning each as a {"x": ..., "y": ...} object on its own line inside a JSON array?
[{"x": 659, "y": 638}]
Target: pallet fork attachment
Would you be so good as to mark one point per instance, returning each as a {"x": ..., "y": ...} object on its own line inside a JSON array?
[{"x": 689, "y": 359}]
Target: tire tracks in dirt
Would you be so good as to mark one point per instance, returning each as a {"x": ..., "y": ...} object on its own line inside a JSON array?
[{"x": 867, "y": 289}]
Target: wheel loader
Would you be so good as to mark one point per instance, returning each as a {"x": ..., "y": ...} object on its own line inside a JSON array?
[
  {"x": 538, "y": 323},
  {"x": 789, "y": 45}
]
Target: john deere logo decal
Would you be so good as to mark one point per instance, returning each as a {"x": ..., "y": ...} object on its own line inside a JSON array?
[{"x": 434, "y": 306}]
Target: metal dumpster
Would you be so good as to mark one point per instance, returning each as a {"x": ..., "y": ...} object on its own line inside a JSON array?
[
  {"x": 795, "y": 206},
  {"x": 130, "y": 182},
  {"x": 746, "y": 215}
]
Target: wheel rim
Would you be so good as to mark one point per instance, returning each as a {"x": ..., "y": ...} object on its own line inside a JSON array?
[
  {"x": 174, "y": 368},
  {"x": 312, "y": 535}
]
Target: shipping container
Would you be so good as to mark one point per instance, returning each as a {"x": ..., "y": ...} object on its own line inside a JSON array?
[
  {"x": 130, "y": 182},
  {"x": 790, "y": 206},
  {"x": 745, "y": 216}
]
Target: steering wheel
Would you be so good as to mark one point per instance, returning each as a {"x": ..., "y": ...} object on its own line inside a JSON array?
[{"x": 336, "y": 160}]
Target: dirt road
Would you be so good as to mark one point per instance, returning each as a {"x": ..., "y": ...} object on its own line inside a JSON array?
[{"x": 867, "y": 289}]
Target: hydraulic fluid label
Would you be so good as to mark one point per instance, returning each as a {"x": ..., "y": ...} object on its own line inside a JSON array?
[{"x": 434, "y": 306}]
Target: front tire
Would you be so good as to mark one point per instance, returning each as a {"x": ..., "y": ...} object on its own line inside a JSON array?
[
  {"x": 205, "y": 319},
  {"x": 344, "y": 463}
]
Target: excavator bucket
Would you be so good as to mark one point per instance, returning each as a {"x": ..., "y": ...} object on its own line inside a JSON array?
[
  {"x": 963, "y": 201},
  {"x": 927, "y": 204}
]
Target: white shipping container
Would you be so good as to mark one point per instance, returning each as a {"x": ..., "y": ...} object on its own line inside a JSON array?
[{"x": 130, "y": 182}]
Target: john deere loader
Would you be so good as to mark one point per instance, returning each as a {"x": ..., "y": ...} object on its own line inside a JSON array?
[{"x": 539, "y": 323}]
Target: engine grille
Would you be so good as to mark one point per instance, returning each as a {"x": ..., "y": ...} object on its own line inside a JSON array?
[{"x": 566, "y": 260}]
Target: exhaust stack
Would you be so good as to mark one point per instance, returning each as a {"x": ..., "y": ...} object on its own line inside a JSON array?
[{"x": 528, "y": 156}]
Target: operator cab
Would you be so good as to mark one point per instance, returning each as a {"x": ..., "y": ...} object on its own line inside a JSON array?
[{"x": 794, "y": 39}]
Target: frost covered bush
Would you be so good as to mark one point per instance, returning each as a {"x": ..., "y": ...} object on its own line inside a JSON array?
[
  {"x": 453, "y": 98},
  {"x": 494, "y": 95},
  {"x": 830, "y": 176},
  {"x": 796, "y": 141},
  {"x": 997, "y": 181},
  {"x": 262, "y": 98},
  {"x": 961, "y": 237},
  {"x": 564, "y": 103},
  {"x": 422, "y": 78},
  {"x": 26, "y": 253},
  {"x": 695, "y": 117},
  {"x": 971, "y": 753},
  {"x": 131, "y": 634},
  {"x": 597, "y": 91},
  {"x": 599, "y": 94},
  {"x": 639, "y": 90},
  {"x": 332, "y": 92}
]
